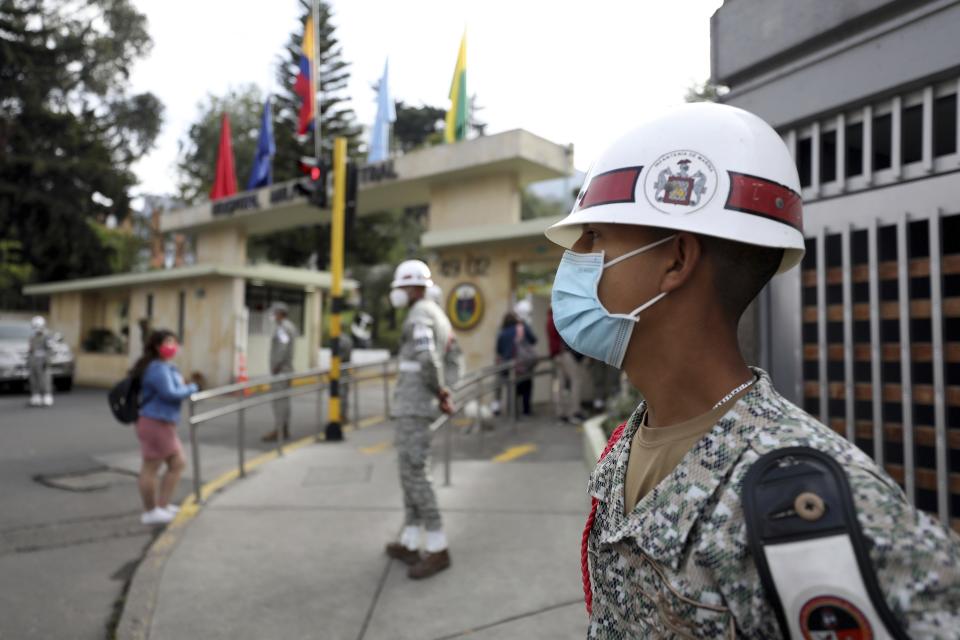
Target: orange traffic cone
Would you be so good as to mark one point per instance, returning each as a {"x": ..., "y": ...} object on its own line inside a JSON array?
[{"x": 242, "y": 372}]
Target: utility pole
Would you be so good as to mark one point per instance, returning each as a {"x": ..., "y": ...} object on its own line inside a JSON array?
[{"x": 334, "y": 430}]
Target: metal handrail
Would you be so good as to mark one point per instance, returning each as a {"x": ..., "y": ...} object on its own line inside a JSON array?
[
  {"x": 472, "y": 386},
  {"x": 463, "y": 397},
  {"x": 387, "y": 368}
]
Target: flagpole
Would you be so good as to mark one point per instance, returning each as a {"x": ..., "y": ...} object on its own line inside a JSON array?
[{"x": 316, "y": 80}]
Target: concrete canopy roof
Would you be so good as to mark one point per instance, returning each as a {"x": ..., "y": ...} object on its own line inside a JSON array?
[
  {"x": 488, "y": 233},
  {"x": 399, "y": 182},
  {"x": 268, "y": 274}
]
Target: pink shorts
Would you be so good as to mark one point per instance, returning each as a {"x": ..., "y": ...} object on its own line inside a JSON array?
[{"x": 158, "y": 440}]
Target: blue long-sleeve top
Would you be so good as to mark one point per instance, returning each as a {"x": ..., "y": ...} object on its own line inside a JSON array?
[
  {"x": 507, "y": 340},
  {"x": 162, "y": 390}
]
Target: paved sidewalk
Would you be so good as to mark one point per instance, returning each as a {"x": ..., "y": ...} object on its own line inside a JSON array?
[{"x": 296, "y": 549}]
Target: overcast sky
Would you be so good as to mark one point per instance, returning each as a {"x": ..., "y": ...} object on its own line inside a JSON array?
[{"x": 572, "y": 72}]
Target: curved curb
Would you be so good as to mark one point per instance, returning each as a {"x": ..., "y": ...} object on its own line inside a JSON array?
[
  {"x": 594, "y": 440},
  {"x": 140, "y": 600}
]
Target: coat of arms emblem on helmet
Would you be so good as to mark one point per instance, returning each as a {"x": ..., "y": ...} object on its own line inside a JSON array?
[{"x": 680, "y": 182}]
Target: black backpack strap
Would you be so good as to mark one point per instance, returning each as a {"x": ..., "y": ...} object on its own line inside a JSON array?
[{"x": 809, "y": 549}]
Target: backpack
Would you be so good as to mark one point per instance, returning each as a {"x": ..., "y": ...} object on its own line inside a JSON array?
[
  {"x": 524, "y": 355},
  {"x": 124, "y": 399}
]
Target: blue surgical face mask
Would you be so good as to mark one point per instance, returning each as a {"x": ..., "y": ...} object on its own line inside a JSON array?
[{"x": 581, "y": 318}]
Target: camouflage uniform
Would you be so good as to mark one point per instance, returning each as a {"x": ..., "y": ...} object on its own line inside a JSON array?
[
  {"x": 425, "y": 332},
  {"x": 281, "y": 361},
  {"x": 678, "y": 566},
  {"x": 39, "y": 353}
]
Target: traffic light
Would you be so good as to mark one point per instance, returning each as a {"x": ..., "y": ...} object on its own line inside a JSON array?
[
  {"x": 351, "y": 201},
  {"x": 314, "y": 185}
]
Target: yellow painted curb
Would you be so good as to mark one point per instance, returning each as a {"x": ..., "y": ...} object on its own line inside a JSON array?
[{"x": 512, "y": 453}]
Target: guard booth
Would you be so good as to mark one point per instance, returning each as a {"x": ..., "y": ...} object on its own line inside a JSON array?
[{"x": 476, "y": 244}]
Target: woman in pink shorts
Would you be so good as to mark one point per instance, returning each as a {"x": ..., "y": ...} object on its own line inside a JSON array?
[{"x": 162, "y": 390}]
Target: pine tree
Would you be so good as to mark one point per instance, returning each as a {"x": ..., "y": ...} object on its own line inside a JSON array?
[{"x": 337, "y": 118}]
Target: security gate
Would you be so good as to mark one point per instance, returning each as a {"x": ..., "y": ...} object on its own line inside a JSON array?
[{"x": 879, "y": 346}]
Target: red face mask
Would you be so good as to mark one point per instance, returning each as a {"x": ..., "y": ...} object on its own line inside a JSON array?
[{"x": 167, "y": 351}]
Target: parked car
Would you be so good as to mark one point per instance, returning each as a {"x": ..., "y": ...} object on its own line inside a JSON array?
[{"x": 14, "y": 340}]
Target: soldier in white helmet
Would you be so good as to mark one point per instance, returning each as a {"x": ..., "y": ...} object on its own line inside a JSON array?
[
  {"x": 39, "y": 353},
  {"x": 453, "y": 363},
  {"x": 421, "y": 392},
  {"x": 720, "y": 509}
]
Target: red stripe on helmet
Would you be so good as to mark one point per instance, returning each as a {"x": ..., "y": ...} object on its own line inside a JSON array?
[
  {"x": 619, "y": 185},
  {"x": 765, "y": 198}
]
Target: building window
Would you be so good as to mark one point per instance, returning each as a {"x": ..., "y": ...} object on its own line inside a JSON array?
[
  {"x": 945, "y": 125},
  {"x": 828, "y": 156},
  {"x": 882, "y": 141},
  {"x": 853, "y": 154},
  {"x": 911, "y": 134},
  {"x": 149, "y": 305},
  {"x": 805, "y": 161}
]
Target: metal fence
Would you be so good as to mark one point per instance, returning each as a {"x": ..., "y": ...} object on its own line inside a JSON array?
[
  {"x": 247, "y": 395},
  {"x": 881, "y": 348}
]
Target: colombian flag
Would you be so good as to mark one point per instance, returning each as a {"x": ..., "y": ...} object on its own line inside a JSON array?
[
  {"x": 456, "y": 124},
  {"x": 306, "y": 84}
]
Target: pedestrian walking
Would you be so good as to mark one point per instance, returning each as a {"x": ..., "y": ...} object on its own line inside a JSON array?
[
  {"x": 162, "y": 390},
  {"x": 39, "y": 354},
  {"x": 720, "y": 509},
  {"x": 419, "y": 395},
  {"x": 515, "y": 341},
  {"x": 569, "y": 372},
  {"x": 281, "y": 361}
]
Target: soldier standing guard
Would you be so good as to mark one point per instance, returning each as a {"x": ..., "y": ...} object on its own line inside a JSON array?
[
  {"x": 421, "y": 390},
  {"x": 39, "y": 353},
  {"x": 720, "y": 509},
  {"x": 281, "y": 361}
]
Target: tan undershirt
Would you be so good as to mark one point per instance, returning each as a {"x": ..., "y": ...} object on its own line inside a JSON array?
[{"x": 656, "y": 451}]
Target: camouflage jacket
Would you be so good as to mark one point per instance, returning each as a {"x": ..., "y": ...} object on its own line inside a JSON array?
[
  {"x": 679, "y": 566},
  {"x": 281, "y": 346},
  {"x": 426, "y": 332},
  {"x": 40, "y": 349}
]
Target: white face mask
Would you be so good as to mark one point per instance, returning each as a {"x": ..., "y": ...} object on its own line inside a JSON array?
[{"x": 399, "y": 298}]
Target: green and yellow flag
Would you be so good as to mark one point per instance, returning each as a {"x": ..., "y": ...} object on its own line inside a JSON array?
[{"x": 456, "y": 127}]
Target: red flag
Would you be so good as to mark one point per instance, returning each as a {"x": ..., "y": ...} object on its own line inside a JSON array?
[{"x": 225, "y": 181}]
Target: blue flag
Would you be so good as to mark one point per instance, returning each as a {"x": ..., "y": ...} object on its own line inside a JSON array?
[
  {"x": 386, "y": 115},
  {"x": 262, "y": 173}
]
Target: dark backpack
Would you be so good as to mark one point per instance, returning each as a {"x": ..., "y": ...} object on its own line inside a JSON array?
[{"x": 124, "y": 399}]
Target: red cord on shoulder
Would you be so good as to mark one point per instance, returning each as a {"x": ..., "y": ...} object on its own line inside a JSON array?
[{"x": 584, "y": 562}]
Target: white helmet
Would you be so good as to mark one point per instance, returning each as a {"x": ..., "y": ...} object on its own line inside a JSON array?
[
  {"x": 411, "y": 273},
  {"x": 523, "y": 309},
  {"x": 38, "y": 323},
  {"x": 705, "y": 168}
]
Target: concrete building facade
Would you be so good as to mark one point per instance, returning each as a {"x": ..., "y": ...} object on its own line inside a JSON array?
[{"x": 866, "y": 334}]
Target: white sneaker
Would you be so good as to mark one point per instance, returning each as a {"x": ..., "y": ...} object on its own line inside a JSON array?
[
  {"x": 157, "y": 516},
  {"x": 48, "y": 400},
  {"x": 172, "y": 508},
  {"x": 36, "y": 400}
]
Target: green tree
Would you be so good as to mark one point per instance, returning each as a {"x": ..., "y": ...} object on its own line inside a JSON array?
[
  {"x": 417, "y": 126},
  {"x": 197, "y": 153},
  {"x": 69, "y": 129},
  {"x": 706, "y": 91}
]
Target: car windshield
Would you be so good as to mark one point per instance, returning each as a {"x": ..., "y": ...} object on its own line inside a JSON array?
[{"x": 15, "y": 331}]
